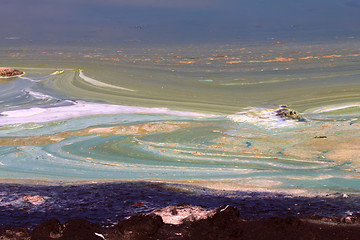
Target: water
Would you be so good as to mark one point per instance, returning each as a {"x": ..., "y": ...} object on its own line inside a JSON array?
[
  {"x": 204, "y": 117},
  {"x": 147, "y": 96}
]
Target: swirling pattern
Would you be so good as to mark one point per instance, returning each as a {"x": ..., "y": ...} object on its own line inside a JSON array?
[{"x": 95, "y": 124}]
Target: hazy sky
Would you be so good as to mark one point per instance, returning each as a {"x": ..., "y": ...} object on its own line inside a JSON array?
[{"x": 174, "y": 21}]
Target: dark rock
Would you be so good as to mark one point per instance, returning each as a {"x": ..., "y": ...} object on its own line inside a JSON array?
[
  {"x": 79, "y": 229},
  {"x": 47, "y": 230},
  {"x": 288, "y": 114},
  {"x": 9, "y": 72},
  {"x": 17, "y": 233},
  {"x": 223, "y": 225},
  {"x": 140, "y": 226}
]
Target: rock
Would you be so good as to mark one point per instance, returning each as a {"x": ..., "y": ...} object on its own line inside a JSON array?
[
  {"x": 79, "y": 229},
  {"x": 34, "y": 200},
  {"x": 9, "y": 72},
  {"x": 323, "y": 137},
  {"x": 182, "y": 213},
  {"x": 47, "y": 230},
  {"x": 288, "y": 114},
  {"x": 76, "y": 229},
  {"x": 140, "y": 226},
  {"x": 224, "y": 224},
  {"x": 14, "y": 233}
]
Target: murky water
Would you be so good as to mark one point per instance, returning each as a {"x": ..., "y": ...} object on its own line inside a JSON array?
[{"x": 194, "y": 114}]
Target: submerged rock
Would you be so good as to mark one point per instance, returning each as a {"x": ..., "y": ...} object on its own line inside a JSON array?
[
  {"x": 287, "y": 113},
  {"x": 9, "y": 72},
  {"x": 181, "y": 213},
  {"x": 34, "y": 200}
]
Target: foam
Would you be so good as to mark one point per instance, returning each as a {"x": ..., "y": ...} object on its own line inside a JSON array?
[
  {"x": 262, "y": 117},
  {"x": 100, "y": 84},
  {"x": 39, "y": 95},
  {"x": 81, "y": 109},
  {"x": 334, "y": 108}
]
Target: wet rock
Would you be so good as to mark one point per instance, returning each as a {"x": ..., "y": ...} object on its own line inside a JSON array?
[
  {"x": 288, "y": 114},
  {"x": 49, "y": 229},
  {"x": 140, "y": 226},
  {"x": 17, "y": 233},
  {"x": 79, "y": 229},
  {"x": 182, "y": 213},
  {"x": 323, "y": 137},
  {"x": 348, "y": 219},
  {"x": 224, "y": 224},
  {"x": 9, "y": 72}
]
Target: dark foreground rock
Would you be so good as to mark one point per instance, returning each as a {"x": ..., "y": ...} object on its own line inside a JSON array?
[
  {"x": 9, "y": 72},
  {"x": 225, "y": 223}
]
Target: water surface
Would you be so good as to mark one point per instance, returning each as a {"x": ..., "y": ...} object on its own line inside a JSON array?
[
  {"x": 199, "y": 115},
  {"x": 182, "y": 92}
]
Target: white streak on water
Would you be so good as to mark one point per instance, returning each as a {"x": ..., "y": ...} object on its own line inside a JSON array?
[
  {"x": 100, "y": 84},
  {"x": 264, "y": 117},
  {"x": 334, "y": 108},
  {"x": 81, "y": 109},
  {"x": 39, "y": 95}
]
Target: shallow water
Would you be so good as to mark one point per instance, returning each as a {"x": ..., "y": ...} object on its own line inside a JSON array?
[{"x": 192, "y": 114}]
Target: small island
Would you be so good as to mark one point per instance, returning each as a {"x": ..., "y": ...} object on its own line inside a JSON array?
[{"x": 9, "y": 72}]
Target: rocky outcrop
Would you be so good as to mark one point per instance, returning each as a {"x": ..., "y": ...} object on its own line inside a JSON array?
[
  {"x": 9, "y": 72},
  {"x": 224, "y": 223},
  {"x": 286, "y": 113}
]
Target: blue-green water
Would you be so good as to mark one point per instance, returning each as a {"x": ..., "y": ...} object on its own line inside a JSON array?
[
  {"x": 149, "y": 94},
  {"x": 201, "y": 119}
]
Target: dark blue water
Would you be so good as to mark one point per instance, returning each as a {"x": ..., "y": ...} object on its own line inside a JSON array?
[
  {"x": 95, "y": 22},
  {"x": 105, "y": 204}
]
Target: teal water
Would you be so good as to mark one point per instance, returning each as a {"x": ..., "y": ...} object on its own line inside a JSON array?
[
  {"x": 182, "y": 92},
  {"x": 202, "y": 115}
]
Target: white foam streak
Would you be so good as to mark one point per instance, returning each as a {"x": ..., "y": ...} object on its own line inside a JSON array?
[
  {"x": 334, "y": 108},
  {"x": 100, "y": 84},
  {"x": 263, "y": 117},
  {"x": 81, "y": 109},
  {"x": 39, "y": 95}
]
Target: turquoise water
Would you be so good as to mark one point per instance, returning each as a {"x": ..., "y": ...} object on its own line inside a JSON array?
[
  {"x": 183, "y": 92},
  {"x": 202, "y": 115}
]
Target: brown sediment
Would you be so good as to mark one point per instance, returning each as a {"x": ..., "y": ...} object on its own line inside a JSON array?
[
  {"x": 145, "y": 128},
  {"x": 340, "y": 149},
  {"x": 283, "y": 59},
  {"x": 332, "y": 56},
  {"x": 309, "y": 57},
  {"x": 277, "y": 59}
]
